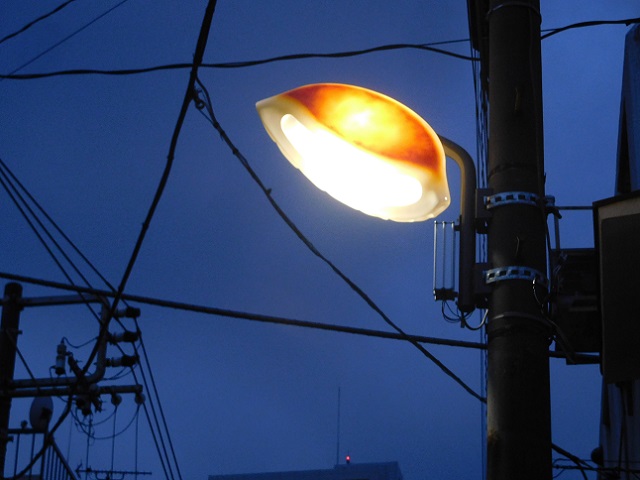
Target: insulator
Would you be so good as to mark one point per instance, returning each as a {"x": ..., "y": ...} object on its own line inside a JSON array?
[
  {"x": 60, "y": 359},
  {"x": 123, "y": 361},
  {"x": 126, "y": 336}
]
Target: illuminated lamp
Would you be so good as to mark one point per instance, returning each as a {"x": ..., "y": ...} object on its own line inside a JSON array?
[
  {"x": 363, "y": 148},
  {"x": 373, "y": 154}
]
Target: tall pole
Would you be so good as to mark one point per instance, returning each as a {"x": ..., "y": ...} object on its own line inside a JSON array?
[
  {"x": 9, "y": 329},
  {"x": 518, "y": 405}
]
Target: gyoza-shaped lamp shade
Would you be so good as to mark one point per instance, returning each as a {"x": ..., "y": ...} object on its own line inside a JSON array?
[{"x": 363, "y": 148}]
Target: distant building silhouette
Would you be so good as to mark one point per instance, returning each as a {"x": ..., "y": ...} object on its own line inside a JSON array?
[
  {"x": 619, "y": 451},
  {"x": 349, "y": 471}
]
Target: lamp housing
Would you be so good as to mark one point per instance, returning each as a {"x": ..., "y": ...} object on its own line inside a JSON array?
[{"x": 362, "y": 147}]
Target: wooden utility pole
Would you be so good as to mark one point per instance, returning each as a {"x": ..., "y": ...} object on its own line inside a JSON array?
[
  {"x": 9, "y": 329},
  {"x": 518, "y": 404}
]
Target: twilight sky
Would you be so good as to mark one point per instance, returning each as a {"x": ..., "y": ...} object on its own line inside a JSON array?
[{"x": 240, "y": 396}]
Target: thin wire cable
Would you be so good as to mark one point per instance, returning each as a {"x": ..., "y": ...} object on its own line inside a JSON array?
[
  {"x": 252, "y": 63},
  {"x": 5, "y": 172},
  {"x": 68, "y": 37},
  {"x": 136, "y": 442},
  {"x": 113, "y": 438},
  {"x": 243, "y": 64},
  {"x": 161, "y": 433},
  {"x": 198, "y": 57},
  {"x": 19, "y": 190},
  {"x": 24, "y": 361},
  {"x": 220, "y": 312},
  {"x": 77, "y": 347},
  {"x": 35, "y": 230},
  {"x": 351, "y": 53},
  {"x": 155, "y": 391},
  {"x": 581, "y": 464},
  {"x": 206, "y": 103},
  {"x": 32, "y": 199},
  {"x": 37, "y": 20},
  {"x": 4, "y": 177},
  {"x": 155, "y": 441},
  {"x": 592, "y": 23}
]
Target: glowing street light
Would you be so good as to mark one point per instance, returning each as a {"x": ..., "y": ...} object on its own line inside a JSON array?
[{"x": 375, "y": 155}]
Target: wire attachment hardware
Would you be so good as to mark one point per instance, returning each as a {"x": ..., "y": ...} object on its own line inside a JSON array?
[{"x": 515, "y": 272}]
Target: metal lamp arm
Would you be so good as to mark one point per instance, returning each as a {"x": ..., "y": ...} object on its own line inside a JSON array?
[{"x": 467, "y": 222}]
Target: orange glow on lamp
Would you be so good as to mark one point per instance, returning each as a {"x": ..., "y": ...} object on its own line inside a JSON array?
[{"x": 365, "y": 149}]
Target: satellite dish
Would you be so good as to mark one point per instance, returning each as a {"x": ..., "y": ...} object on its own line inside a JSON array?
[{"x": 40, "y": 413}]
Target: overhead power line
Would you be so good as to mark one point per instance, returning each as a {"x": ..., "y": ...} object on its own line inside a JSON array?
[
  {"x": 32, "y": 23},
  {"x": 592, "y": 23},
  {"x": 261, "y": 318},
  {"x": 239, "y": 64},
  {"x": 68, "y": 37},
  {"x": 220, "y": 312},
  {"x": 295, "y": 56}
]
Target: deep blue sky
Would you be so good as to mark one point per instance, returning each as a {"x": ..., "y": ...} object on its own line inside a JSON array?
[{"x": 245, "y": 397}]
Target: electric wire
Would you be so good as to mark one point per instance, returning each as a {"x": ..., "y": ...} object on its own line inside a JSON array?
[
  {"x": 241, "y": 64},
  {"x": 297, "y": 56},
  {"x": 19, "y": 200},
  {"x": 37, "y": 20},
  {"x": 581, "y": 464},
  {"x": 206, "y": 103},
  {"x": 34, "y": 229},
  {"x": 155, "y": 441},
  {"x": 65, "y": 39},
  {"x": 114, "y": 434},
  {"x": 77, "y": 347},
  {"x": 94, "y": 424},
  {"x": 3, "y": 174},
  {"x": 584, "y": 24},
  {"x": 113, "y": 438},
  {"x": 220, "y": 312},
  {"x": 156, "y": 425},
  {"x": 591, "y": 23},
  {"x": 7, "y": 171},
  {"x": 198, "y": 57},
  {"x": 155, "y": 390},
  {"x": 23, "y": 360}
]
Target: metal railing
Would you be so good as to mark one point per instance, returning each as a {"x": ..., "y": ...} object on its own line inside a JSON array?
[{"x": 50, "y": 466}]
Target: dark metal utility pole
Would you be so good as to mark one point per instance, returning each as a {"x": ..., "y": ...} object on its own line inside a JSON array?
[
  {"x": 518, "y": 405},
  {"x": 9, "y": 329}
]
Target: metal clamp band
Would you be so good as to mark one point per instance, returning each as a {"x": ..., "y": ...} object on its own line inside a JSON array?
[
  {"x": 515, "y": 273},
  {"x": 509, "y": 198}
]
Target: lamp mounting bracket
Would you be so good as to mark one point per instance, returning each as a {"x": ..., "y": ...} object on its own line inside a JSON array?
[{"x": 515, "y": 272}]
